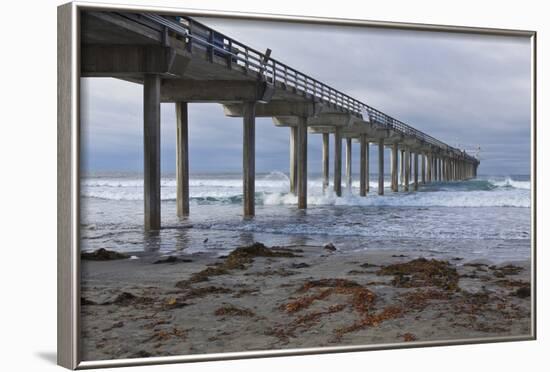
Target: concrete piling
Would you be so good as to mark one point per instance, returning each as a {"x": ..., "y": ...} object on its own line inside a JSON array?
[
  {"x": 429, "y": 166},
  {"x": 151, "y": 151},
  {"x": 293, "y": 158},
  {"x": 249, "y": 155},
  {"x": 302, "y": 162},
  {"x": 415, "y": 168},
  {"x": 402, "y": 168},
  {"x": 423, "y": 167},
  {"x": 182, "y": 160},
  {"x": 407, "y": 169},
  {"x": 338, "y": 161},
  {"x": 394, "y": 176},
  {"x": 380, "y": 167},
  {"x": 348, "y": 165},
  {"x": 434, "y": 168},
  {"x": 364, "y": 165},
  {"x": 325, "y": 161}
]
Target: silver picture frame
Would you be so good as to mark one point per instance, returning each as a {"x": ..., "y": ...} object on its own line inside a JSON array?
[{"x": 68, "y": 176}]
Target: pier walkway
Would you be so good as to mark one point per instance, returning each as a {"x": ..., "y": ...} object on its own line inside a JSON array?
[{"x": 180, "y": 60}]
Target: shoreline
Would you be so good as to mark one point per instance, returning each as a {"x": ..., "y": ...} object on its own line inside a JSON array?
[{"x": 294, "y": 297}]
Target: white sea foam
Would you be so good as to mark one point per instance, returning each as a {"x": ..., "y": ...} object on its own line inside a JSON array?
[
  {"x": 272, "y": 189},
  {"x": 509, "y": 182},
  {"x": 420, "y": 199}
]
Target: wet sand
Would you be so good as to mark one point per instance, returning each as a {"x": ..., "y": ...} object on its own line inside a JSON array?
[{"x": 295, "y": 297}]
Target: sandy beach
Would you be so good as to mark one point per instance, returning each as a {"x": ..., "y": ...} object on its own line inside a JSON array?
[{"x": 266, "y": 298}]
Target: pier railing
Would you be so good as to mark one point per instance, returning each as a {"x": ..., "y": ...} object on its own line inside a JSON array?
[{"x": 273, "y": 71}]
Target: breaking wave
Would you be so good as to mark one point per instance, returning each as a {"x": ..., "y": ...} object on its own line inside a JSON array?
[{"x": 272, "y": 189}]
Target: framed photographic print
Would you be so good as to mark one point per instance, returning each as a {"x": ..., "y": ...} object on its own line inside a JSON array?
[{"x": 246, "y": 185}]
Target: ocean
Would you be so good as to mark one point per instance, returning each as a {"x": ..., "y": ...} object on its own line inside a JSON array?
[{"x": 484, "y": 218}]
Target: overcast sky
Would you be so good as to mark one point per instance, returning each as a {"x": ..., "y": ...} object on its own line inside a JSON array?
[{"x": 466, "y": 90}]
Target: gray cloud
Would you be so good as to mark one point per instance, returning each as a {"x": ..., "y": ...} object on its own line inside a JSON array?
[{"x": 463, "y": 89}]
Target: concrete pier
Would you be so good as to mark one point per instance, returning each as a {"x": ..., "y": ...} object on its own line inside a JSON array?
[
  {"x": 407, "y": 169},
  {"x": 155, "y": 51},
  {"x": 293, "y": 169},
  {"x": 415, "y": 168},
  {"x": 302, "y": 162},
  {"x": 338, "y": 161},
  {"x": 423, "y": 167},
  {"x": 455, "y": 170},
  {"x": 348, "y": 164},
  {"x": 380, "y": 167},
  {"x": 434, "y": 168},
  {"x": 151, "y": 151},
  {"x": 410, "y": 163},
  {"x": 364, "y": 165},
  {"x": 394, "y": 181},
  {"x": 249, "y": 157},
  {"x": 402, "y": 168},
  {"x": 325, "y": 161},
  {"x": 182, "y": 160},
  {"x": 429, "y": 168}
]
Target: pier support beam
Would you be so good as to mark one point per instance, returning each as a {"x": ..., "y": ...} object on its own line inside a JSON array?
[
  {"x": 439, "y": 168},
  {"x": 325, "y": 161},
  {"x": 182, "y": 160},
  {"x": 380, "y": 167},
  {"x": 415, "y": 168},
  {"x": 364, "y": 165},
  {"x": 454, "y": 169},
  {"x": 455, "y": 176},
  {"x": 348, "y": 164},
  {"x": 302, "y": 162},
  {"x": 151, "y": 151},
  {"x": 423, "y": 167},
  {"x": 434, "y": 168},
  {"x": 338, "y": 161},
  {"x": 249, "y": 155},
  {"x": 293, "y": 158},
  {"x": 402, "y": 168},
  {"x": 407, "y": 169},
  {"x": 394, "y": 180},
  {"x": 429, "y": 166},
  {"x": 410, "y": 166}
]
